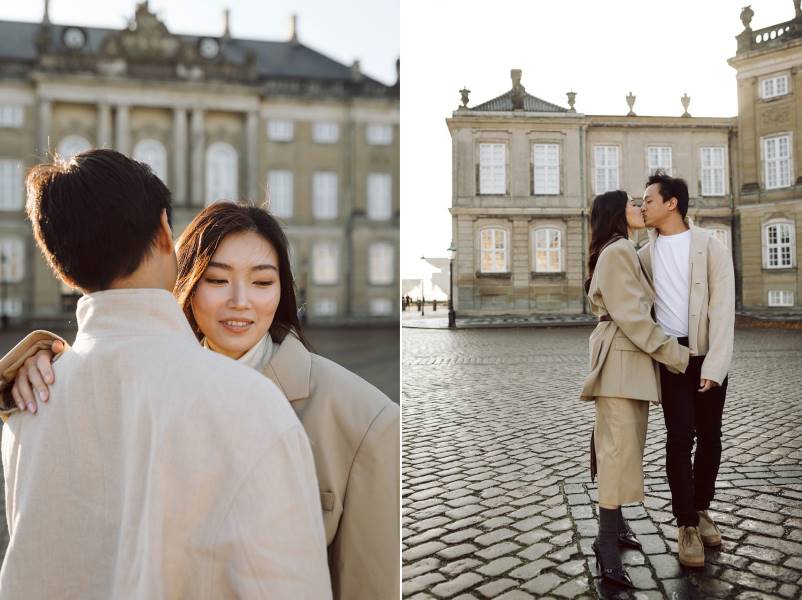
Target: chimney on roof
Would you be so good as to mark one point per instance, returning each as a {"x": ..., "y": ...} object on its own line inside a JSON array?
[
  {"x": 227, "y": 24},
  {"x": 356, "y": 71},
  {"x": 46, "y": 15},
  {"x": 294, "y": 28}
]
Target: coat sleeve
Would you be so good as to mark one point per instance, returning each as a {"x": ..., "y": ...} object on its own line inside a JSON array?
[
  {"x": 630, "y": 307},
  {"x": 274, "y": 528},
  {"x": 721, "y": 312},
  {"x": 365, "y": 553}
]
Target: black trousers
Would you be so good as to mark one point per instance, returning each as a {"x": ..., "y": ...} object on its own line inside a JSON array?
[{"x": 690, "y": 415}]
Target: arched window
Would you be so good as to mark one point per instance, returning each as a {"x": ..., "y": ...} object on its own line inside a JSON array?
[
  {"x": 72, "y": 145},
  {"x": 221, "y": 172},
  {"x": 152, "y": 152},
  {"x": 493, "y": 250},
  {"x": 547, "y": 250},
  {"x": 779, "y": 247}
]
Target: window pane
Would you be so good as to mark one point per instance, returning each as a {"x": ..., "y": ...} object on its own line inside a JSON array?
[
  {"x": 324, "y": 192},
  {"x": 380, "y": 263},
  {"x": 280, "y": 130},
  {"x": 379, "y": 196},
  {"x": 280, "y": 193}
]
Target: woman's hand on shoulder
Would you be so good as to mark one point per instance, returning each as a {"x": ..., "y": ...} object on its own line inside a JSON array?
[{"x": 34, "y": 378}]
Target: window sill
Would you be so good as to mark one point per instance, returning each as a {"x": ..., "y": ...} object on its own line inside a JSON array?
[
  {"x": 547, "y": 275},
  {"x": 502, "y": 275},
  {"x": 780, "y": 269},
  {"x": 500, "y": 195}
]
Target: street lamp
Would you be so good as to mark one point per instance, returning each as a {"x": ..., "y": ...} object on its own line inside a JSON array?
[
  {"x": 422, "y": 299},
  {"x": 452, "y": 316}
]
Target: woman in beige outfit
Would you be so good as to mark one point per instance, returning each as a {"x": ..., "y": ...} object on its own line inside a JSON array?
[
  {"x": 236, "y": 289},
  {"x": 623, "y": 377}
]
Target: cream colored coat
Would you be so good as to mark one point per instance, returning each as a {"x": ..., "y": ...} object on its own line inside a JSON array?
[
  {"x": 158, "y": 470},
  {"x": 621, "y": 350},
  {"x": 354, "y": 431},
  {"x": 711, "y": 302}
]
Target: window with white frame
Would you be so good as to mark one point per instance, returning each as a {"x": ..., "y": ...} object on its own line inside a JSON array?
[
  {"x": 11, "y": 115},
  {"x": 712, "y": 159},
  {"x": 10, "y": 184},
  {"x": 778, "y": 245},
  {"x": 280, "y": 193},
  {"x": 493, "y": 250},
  {"x": 325, "y": 132},
  {"x": 152, "y": 153},
  {"x": 546, "y": 161},
  {"x": 379, "y": 134},
  {"x": 325, "y": 263},
  {"x": 380, "y": 307},
  {"x": 380, "y": 263},
  {"x": 659, "y": 157},
  {"x": 781, "y": 298},
  {"x": 72, "y": 145},
  {"x": 324, "y": 195},
  {"x": 221, "y": 173},
  {"x": 547, "y": 243},
  {"x": 492, "y": 168},
  {"x": 380, "y": 196},
  {"x": 771, "y": 87},
  {"x": 325, "y": 307},
  {"x": 722, "y": 234},
  {"x": 12, "y": 307},
  {"x": 777, "y": 161},
  {"x": 280, "y": 130},
  {"x": 605, "y": 166},
  {"x": 12, "y": 259}
]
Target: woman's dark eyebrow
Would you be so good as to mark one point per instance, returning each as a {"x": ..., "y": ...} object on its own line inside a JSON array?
[{"x": 229, "y": 268}]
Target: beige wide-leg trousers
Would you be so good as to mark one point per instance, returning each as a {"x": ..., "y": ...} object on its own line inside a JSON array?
[{"x": 619, "y": 438}]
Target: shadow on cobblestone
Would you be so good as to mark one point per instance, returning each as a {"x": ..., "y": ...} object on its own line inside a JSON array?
[{"x": 497, "y": 498}]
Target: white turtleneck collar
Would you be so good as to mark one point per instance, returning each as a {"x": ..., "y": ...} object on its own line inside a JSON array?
[{"x": 258, "y": 356}]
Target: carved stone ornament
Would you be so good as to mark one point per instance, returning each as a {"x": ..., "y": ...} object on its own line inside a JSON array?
[
  {"x": 145, "y": 39},
  {"x": 746, "y": 16},
  {"x": 775, "y": 116},
  {"x": 797, "y": 9},
  {"x": 518, "y": 90},
  {"x": 686, "y": 102},
  {"x": 571, "y": 101},
  {"x": 631, "y": 103},
  {"x": 464, "y": 92}
]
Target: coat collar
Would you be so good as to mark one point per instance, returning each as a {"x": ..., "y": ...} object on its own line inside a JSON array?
[{"x": 290, "y": 368}]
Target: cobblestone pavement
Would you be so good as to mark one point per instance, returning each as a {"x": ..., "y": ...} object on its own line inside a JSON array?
[{"x": 497, "y": 498}]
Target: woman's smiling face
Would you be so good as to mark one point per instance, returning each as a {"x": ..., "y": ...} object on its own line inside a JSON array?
[{"x": 236, "y": 298}]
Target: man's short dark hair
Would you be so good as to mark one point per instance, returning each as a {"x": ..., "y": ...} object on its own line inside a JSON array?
[
  {"x": 671, "y": 187},
  {"x": 96, "y": 216}
]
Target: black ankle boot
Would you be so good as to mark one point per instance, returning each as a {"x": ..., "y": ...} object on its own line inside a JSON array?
[
  {"x": 605, "y": 547},
  {"x": 626, "y": 537}
]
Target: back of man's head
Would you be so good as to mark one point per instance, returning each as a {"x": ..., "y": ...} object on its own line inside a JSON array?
[
  {"x": 95, "y": 217},
  {"x": 671, "y": 187}
]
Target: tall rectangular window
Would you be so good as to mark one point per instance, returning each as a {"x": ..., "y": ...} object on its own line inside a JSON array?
[
  {"x": 492, "y": 168},
  {"x": 548, "y": 251},
  {"x": 659, "y": 157},
  {"x": 779, "y": 245},
  {"x": 11, "y": 115},
  {"x": 380, "y": 196},
  {"x": 280, "y": 130},
  {"x": 380, "y": 263},
  {"x": 772, "y": 87},
  {"x": 605, "y": 168},
  {"x": 546, "y": 160},
  {"x": 280, "y": 191},
  {"x": 325, "y": 263},
  {"x": 10, "y": 184},
  {"x": 712, "y": 160},
  {"x": 379, "y": 134},
  {"x": 12, "y": 259},
  {"x": 324, "y": 195},
  {"x": 777, "y": 161},
  {"x": 493, "y": 251},
  {"x": 324, "y": 132}
]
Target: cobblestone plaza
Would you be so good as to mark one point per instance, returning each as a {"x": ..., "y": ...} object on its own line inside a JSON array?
[{"x": 497, "y": 497}]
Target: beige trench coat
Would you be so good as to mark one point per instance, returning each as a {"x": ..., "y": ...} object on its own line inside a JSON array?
[
  {"x": 354, "y": 432},
  {"x": 711, "y": 301},
  {"x": 621, "y": 350}
]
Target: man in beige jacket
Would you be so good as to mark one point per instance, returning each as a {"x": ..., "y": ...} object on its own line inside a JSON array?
[
  {"x": 161, "y": 470},
  {"x": 695, "y": 301}
]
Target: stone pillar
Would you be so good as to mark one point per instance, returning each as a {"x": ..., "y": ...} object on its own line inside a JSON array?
[
  {"x": 180, "y": 142},
  {"x": 44, "y": 122},
  {"x": 197, "y": 142},
  {"x": 122, "y": 130},
  {"x": 103, "y": 125},
  {"x": 520, "y": 263},
  {"x": 252, "y": 156}
]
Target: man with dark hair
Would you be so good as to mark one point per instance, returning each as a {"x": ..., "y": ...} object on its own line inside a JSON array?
[
  {"x": 163, "y": 470},
  {"x": 695, "y": 288}
]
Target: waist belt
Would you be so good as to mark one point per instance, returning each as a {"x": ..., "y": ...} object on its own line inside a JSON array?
[{"x": 605, "y": 318}]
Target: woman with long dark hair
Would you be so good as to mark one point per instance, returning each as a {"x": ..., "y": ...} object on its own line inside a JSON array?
[
  {"x": 623, "y": 377},
  {"x": 236, "y": 289}
]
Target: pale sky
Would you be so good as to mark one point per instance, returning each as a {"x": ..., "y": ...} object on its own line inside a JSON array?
[
  {"x": 345, "y": 30},
  {"x": 600, "y": 49}
]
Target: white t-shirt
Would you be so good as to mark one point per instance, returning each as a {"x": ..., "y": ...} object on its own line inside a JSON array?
[{"x": 671, "y": 282}]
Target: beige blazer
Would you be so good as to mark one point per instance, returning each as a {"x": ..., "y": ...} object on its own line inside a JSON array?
[
  {"x": 621, "y": 350},
  {"x": 711, "y": 300},
  {"x": 158, "y": 470},
  {"x": 355, "y": 437}
]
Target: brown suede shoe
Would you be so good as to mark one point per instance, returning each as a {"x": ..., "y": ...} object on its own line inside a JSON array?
[
  {"x": 708, "y": 531},
  {"x": 691, "y": 550}
]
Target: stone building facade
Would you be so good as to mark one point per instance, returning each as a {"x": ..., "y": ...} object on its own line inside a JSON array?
[
  {"x": 525, "y": 172},
  {"x": 218, "y": 118}
]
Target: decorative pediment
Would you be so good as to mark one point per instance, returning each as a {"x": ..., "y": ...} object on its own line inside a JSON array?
[{"x": 145, "y": 40}]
